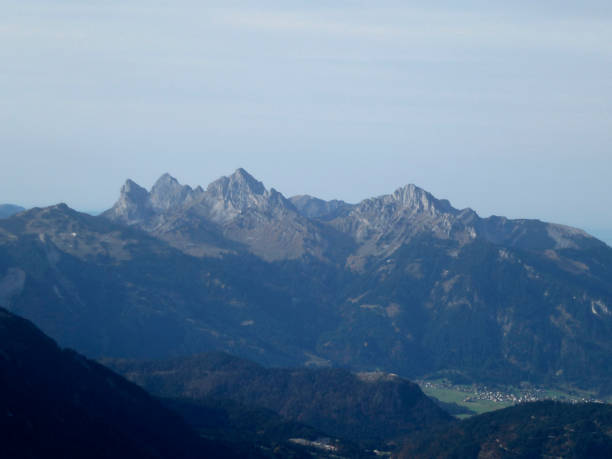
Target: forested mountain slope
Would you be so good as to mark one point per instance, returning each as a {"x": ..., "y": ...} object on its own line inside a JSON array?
[{"x": 366, "y": 408}]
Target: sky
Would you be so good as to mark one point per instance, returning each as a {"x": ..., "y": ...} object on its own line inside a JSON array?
[{"x": 504, "y": 107}]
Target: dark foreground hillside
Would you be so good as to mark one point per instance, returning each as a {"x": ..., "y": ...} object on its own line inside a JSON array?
[
  {"x": 367, "y": 408},
  {"x": 56, "y": 403},
  {"x": 262, "y": 431},
  {"x": 531, "y": 430}
]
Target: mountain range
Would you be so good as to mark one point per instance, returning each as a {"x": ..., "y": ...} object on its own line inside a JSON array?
[{"x": 403, "y": 283}]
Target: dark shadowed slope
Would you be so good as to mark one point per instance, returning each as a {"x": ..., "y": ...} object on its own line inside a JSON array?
[
  {"x": 531, "y": 430},
  {"x": 247, "y": 427},
  {"x": 369, "y": 408},
  {"x": 56, "y": 403}
]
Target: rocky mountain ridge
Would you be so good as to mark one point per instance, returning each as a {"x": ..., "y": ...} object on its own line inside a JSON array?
[
  {"x": 403, "y": 282},
  {"x": 312, "y": 207},
  {"x": 233, "y": 213},
  {"x": 238, "y": 211}
]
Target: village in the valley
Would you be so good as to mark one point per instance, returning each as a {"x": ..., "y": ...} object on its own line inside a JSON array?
[{"x": 478, "y": 392}]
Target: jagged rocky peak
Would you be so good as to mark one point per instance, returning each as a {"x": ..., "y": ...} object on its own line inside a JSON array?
[
  {"x": 222, "y": 200},
  {"x": 136, "y": 204},
  {"x": 417, "y": 199},
  {"x": 166, "y": 183},
  {"x": 278, "y": 197},
  {"x": 409, "y": 201},
  {"x": 237, "y": 185},
  {"x": 132, "y": 206},
  {"x": 238, "y": 192},
  {"x": 131, "y": 191},
  {"x": 241, "y": 178},
  {"x": 167, "y": 193},
  {"x": 383, "y": 224}
]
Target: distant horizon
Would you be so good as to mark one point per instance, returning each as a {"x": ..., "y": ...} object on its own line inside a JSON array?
[
  {"x": 604, "y": 234},
  {"x": 500, "y": 107}
]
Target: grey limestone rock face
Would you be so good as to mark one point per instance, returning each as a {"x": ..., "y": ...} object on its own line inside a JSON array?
[
  {"x": 312, "y": 207},
  {"x": 133, "y": 205},
  {"x": 136, "y": 205},
  {"x": 381, "y": 225},
  {"x": 237, "y": 209},
  {"x": 168, "y": 194},
  {"x": 228, "y": 197}
]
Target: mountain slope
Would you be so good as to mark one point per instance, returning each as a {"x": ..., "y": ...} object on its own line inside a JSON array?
[
  {"x": 56, "y": 403},
  {"x": 368, "y": 408},
  {"x": 6, "y": 210},
  {"x": 490, "y": 312},
  {"x": 260, "y": 431},
  {"x": 404, "y": 283},
  {"x": 113, "y": 290},
  {"x": 540, "y": 429}
]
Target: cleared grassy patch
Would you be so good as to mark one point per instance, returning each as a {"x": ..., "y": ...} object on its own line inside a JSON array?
[
  {"x": 477, "y": 401},
  {"x": 450, "y": 395}
]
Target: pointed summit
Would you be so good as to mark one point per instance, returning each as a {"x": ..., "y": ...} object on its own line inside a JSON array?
[
  {"x": 229, "y": 197},
  {"x": 240, "y": 190},
  {"x": 417, "y": 199},
  {"x": 132, "y": 189},
  {"x": 132, "y": 206},
  {"x": 165, "y": 179},
  {"x": 168, "y": 193},
  {"x": 242, "y": 172},
  {"x": 132, "y": 194},
  {"x": 242, "y": 178}
]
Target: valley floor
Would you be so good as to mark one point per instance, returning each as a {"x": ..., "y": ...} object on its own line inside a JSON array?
[{"x": 479, "y": 398}]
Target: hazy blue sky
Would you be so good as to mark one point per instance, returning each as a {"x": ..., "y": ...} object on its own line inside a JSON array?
[{"x": 505, "y": 107}]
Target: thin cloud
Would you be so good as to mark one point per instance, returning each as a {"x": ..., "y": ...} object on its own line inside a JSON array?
[
  {"x": 302, "y": 23},
  {"x": 431, "y": 28}
]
